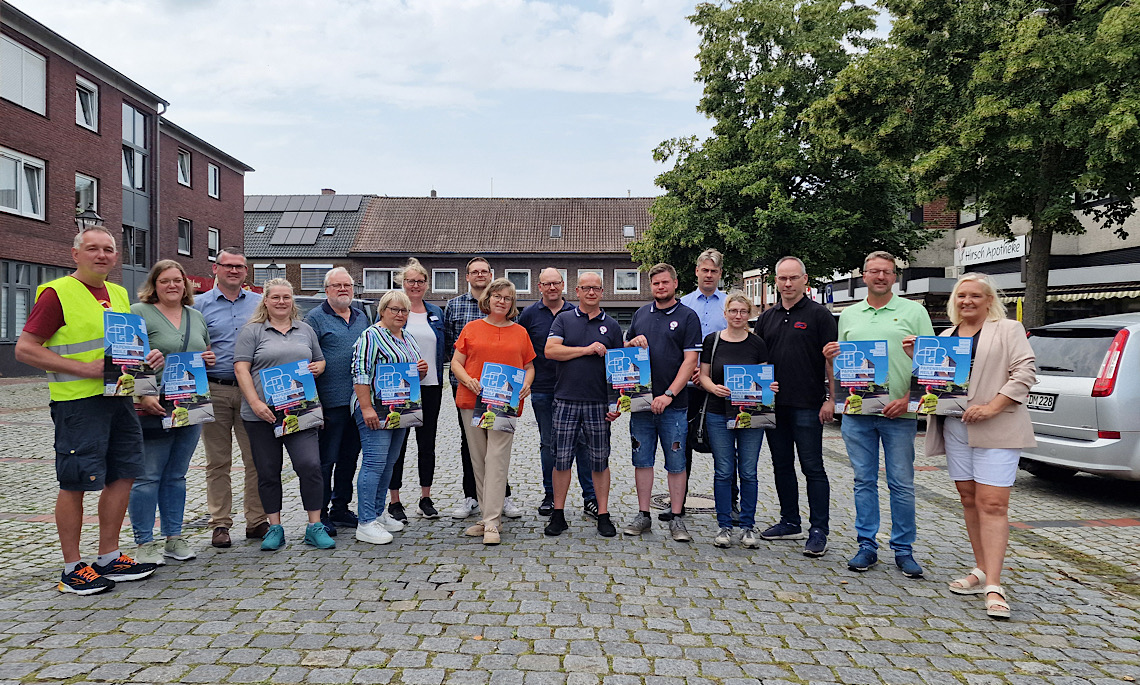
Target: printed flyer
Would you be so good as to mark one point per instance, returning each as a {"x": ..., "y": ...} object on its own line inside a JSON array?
[
  {"x": 185, "y": 391},
  {"x": 631, "y": 385},
  {"x": 125, "y": 346},
  {"x": 752, "y": 396},
  {"x": 396, "y": 391},
  {"x": 863, "y": 373},
  {"x": 497, "y": 407},
  {"x": 940, "y": 377},
  {"x": 291, "y": 392}
]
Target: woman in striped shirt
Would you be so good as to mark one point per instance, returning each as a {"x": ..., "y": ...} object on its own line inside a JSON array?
[{"x": 384, "y": 342}]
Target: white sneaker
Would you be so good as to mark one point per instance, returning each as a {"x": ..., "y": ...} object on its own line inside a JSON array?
[
  {"x": 373, "y": 532},
  {"x": 510, "y": 510},
  {"x": 150, "y": 553},
  {"x": 466, "y": 507},
  {"x": 390, "y": 524}
]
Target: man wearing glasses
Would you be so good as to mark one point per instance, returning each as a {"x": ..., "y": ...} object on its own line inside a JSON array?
[
  {"x": 227, "y": 307},
  {"x": 338, "y": 325},
  {"x": 537, "y": 319},
  {"x": 883, "y": 316}
]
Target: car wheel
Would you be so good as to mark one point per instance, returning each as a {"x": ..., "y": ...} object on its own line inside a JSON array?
[{"x": 1047, "y": 471}]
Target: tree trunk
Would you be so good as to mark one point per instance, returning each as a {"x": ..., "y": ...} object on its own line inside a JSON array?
[{"x": 1037, "y": 274}]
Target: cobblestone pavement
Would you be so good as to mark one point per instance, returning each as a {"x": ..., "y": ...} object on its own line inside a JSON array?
[{"x": 435, "y": 607}]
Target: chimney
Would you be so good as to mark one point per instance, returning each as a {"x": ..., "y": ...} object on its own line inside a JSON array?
[
  {"x": 328, "y": 191},
  {"x": 433, "y": 192}
]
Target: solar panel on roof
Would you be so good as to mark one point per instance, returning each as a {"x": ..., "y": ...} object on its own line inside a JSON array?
[
  {"x": 309, "y": 236},
  {"x": 251, "y": 202},
  {"x": 308, "y": 203},
  {"x": 280, "y": 236},
  {"x": 265, "y": 203},
  {"x": 338, "y": 203},
  {"x": 288, "y": 220},
  {"x": 352, "y": 204},
  {"x": 318, "y": 219},
  {"x": 294, "y": 204},
  {"x": 279, "y": 203},
  {"x": 323, "y": 203}
]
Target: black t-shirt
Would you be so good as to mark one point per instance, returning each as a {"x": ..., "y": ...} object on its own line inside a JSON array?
[
  {"x": 583, "y": 379},
  {"x": 671, "y": 333},
  {"x": 751, "y": 350},
  {"x": 795, "y": 340}
]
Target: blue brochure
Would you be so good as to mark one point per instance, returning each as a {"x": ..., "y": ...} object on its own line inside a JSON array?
[
  {"x": 497, "y": 407},
  {"x": 940, "y": 377},
  {"x": 125, "y": 346},
  {"x": 629, "y": 378},
  {"x": 291, "y": 392},
  {"x": 185, "y": 391},
  {"x": 396, "y": 391},
  {"x": 862, "y": 372},
  {"x": 752, "y": 397}
]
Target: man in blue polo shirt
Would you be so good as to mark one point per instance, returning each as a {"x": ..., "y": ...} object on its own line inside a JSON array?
[
  {"x": 537, "y": 319},
  {"x": 578, "y": 341},
  {"x": 672, "y": 332}
]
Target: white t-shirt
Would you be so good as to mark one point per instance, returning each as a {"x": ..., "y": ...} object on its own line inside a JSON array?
[{"x": 421, "y": 330}]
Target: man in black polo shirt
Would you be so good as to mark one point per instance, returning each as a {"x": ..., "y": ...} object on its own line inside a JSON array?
[
  {"x": 795, "y": 331},
  {"x": 578, "y": 340}
]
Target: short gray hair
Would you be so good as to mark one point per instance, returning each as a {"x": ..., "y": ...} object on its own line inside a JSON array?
[
  {"x": 789, "y": 258},
  {"x": 880, "y": 254},
  {"x": 711, "y": 255},
  {"x": 78, "y": 241},
  {"x": 336, "y": 270}
]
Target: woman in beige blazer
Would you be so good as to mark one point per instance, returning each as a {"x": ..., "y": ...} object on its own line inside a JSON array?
[{"x": 983, "y": 447}]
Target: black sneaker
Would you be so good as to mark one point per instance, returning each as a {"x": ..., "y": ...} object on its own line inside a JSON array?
[
  {"x": 783, "y": 531},
  {"x": 557, "y": 523},
  {"x": 343, "y": 518},
  {"x": 816, "y": 544},
  {"x": 330, "y": 528},
  {"x": 396, "y": 511},
  {"x": 605, "y": 526},
  {"x": 590, "y": 508},
  {"x": 84, "y": 581},
  {"x": 124, "y": 568},
  {"x": 427, "y": 508},
  {"x": 547, "y": 506}
]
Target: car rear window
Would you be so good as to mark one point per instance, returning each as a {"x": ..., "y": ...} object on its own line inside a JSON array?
[{"x": 1070, "y": 351}]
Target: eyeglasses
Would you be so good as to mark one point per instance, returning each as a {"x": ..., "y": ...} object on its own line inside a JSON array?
[
  {"x": 340, "y": 286},
  {"x": 793, "y": 279},
  {"x": 590, "y": 288},
  {"x": 415, "y": 281},
  {"x": 550, "y": 284},
  {"x": 231, "y": 267},
  {"x": 738, "y": 312},
  {"x": 479, "y": 272},
  {"x": 501, "y": 298},
  {"x": 879, "y": 272},
  {"x": 398, "y": 311}
]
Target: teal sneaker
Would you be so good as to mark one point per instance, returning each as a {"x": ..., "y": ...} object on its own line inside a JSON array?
[
  {"x": 317, "y": 536},
  {"x": 274, "y": 538}
]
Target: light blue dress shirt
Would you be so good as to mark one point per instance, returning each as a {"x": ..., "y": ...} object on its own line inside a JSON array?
[
  {"x": 224, "y": 319},
  {"x": 709, "y": 309}
]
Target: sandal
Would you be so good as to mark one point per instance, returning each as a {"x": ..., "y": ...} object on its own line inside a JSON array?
[
  {"x": 963, "y": 586},
  {"x": 996, "y": 608}
]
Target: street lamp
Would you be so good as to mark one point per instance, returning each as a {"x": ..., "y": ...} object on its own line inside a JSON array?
[{"x": 88, "y": 218}]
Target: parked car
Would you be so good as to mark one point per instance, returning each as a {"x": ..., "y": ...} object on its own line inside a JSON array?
[
  {"x": 1085, "y": 405},
  {"x": 306, "y": 303}
]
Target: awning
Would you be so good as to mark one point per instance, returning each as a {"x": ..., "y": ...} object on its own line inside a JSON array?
[{"x": 1076, "y": 293}]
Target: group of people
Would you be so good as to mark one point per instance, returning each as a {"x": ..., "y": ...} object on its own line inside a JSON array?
[{"x": 109, "y": 444}]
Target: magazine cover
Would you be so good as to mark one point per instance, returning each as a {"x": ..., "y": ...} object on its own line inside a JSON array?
[
  {"x": 291, "y": 393},
  {"x": 631, "y": 385},
  {"x": 125, "y": 346},
  {"x": 862, "y": 371},
  {"x": 396, "y": 391},
  {"x": 940, "y": 377},
  {"x": 185, "y": 391},
  {"x": 752, "y": 396},
  {"x": 497, "y": 407}
]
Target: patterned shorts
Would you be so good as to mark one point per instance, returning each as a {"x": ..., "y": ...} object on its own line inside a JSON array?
[{"x": 585, "y": 423}]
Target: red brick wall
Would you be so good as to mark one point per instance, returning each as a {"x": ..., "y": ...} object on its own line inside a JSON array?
[{"x": 935, "y": 215}]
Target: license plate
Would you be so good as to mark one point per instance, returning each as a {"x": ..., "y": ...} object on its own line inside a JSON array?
[{"x": 1041, "y": 401}]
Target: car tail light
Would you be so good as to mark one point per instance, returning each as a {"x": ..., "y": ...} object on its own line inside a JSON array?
[
  {"x": 1106, "y": 380},
  {"x": 1108, "y": 435}
]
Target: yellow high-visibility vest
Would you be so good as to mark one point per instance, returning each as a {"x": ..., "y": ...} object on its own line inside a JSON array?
[{"x": 81, "y": 336}]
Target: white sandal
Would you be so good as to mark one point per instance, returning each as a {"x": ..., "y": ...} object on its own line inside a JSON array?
[
  {"x": 996, "y": 608},
  {"x": 963, "y": 586}
]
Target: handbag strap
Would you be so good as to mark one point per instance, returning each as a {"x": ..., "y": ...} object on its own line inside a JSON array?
[
  {"x": 712, "y": 360},
  {"x": 185, "y": 328}
]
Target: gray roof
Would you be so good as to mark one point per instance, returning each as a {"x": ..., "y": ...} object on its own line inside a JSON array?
[{"x": 267, "y": 211}]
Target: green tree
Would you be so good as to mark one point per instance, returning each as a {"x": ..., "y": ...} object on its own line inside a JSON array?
[
  {"x": 763, "y": 186},
  {"x": 1029, "y": 106}
]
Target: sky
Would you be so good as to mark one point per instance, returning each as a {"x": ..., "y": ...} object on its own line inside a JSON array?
[{"x": 510, "y": 98}]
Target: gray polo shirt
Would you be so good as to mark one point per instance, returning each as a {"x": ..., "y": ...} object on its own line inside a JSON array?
[{"x": 264, "y": 346}]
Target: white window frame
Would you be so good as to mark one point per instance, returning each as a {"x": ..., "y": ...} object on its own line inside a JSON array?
[
  {"x": 94, "y": 193},
  {"x": 628, "y": 231},
  {"x": 435, "y": 273},
  {"x": 391, "y": 281},
  {"x": 623, "y": 291},
  {"x": 189, "y": 235},
  {"x": 83, "y": 85},
  {"x": 184, "y": 154},
  {"x": 31, "y": 91},
  {"x": 565, "y": 284},
  {"x": 969, "y": 214},
  {"x": 23, "y": 194},
  {"x": 213, "y": 243},
  {"x": 507, "y": 274},
  {"x": 555, "y": 230},
  {"x": 260, "y": 276},
  {"x": 214, "y": 184},
  {"x": 323, "y": 268}
]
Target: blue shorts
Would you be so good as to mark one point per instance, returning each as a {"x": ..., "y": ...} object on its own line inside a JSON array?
[
  {"x": 647, "y": 429},
  {"x": 98, "y": 440}
]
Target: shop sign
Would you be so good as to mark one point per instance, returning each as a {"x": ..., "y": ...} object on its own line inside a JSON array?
[{"x": 994, "y": 251}]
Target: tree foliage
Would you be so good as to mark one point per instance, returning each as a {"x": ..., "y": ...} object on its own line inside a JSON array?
[
  {"x": 763, "y": 185},
  {"x": 1029, "y": 106}
]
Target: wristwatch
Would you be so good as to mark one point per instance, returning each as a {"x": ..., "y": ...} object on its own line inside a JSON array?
[{"x": 669, "y": 393}]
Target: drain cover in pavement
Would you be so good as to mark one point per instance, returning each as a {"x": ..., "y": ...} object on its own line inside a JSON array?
[{"x": 695, "y": 503}]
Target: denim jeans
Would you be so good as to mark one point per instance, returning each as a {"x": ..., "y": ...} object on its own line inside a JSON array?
[
  {"x": 669, "y": 428},
  {"x": 380, "y": 449},
  {"x": 339, "y": 442},
  {"x": 862, "y": 435},
  {"x": 162, "y": 483},
  {"x": 798, "y": 430},
  {"x": 543, "y": 405},
  {"x": 735, "y": 452}
]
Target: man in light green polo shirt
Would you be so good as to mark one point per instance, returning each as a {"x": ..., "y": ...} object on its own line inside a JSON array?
[{"x": 883, "y": 316}]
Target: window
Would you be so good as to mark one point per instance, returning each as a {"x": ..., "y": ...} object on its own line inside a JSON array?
[
  {"x": 23, "y": 76},
  {"x": 184, "y": 226},
  {"x": 313, "y": 276},
  {"x": 21, "y": 184},
  {"x": 86, "y": 103},
  {"x": 627, "y": 281},
  {"x": 555, "y": 231},
  {"x": 136, "y": 246},
  {"x": 329, "y": 230},
  {"x": 445, "y": 280},
  {"x": 86, "y": 193},
  {"x": 565, "y": 285},
  {"x": 378, "y": 280},
  {"x": 263, "y": 273},
  {"x": 184, "y": 167},
  {"x": 260, "y": 229},
  {"x": 627, "y": 231},
  {"x": 520, "y": 278},
  {"x": 215, "y": 176},
  {"x": 213, "y": 239},
  {"x": 970, "y": 214},
  {"x": 134, "y": 149}
]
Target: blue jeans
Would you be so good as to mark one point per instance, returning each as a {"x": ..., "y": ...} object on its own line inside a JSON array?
[
  {"x": 543, "y": 405},
  {"x": 862, "y": 435},
  {"x": 166, "y": 458},
  {"x": 735, "y": 451},
  {"x": 380, "y": 449},
  {"x": 669, "y": 428},
  {"x": 339, "y": 442},
  {"x": 798, "y": 430}
]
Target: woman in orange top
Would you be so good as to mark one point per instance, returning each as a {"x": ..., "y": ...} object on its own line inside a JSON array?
[{"x": 497, "y": 339}]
